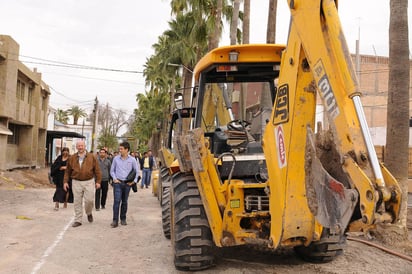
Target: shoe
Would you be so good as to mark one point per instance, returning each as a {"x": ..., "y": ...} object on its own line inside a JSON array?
[
  {"x": 56, "y": 209},
  {"x": 141, "y": 187},
  {"x": 103, "y": 207},
  {"x": 123, "y": 222},
  {"x": 147, "y": 187},
  {"x": 114, "y": 224},
  {"x": 90, "y": 218},
  {"x": 76, "y": 224},
  {"x": 97, "y": 209}
]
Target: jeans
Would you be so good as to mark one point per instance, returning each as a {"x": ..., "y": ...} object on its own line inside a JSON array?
[
  {"x": 101, "y": 195},
  {"x": 121, "y": 195},
  {"x": 146, "y": 174}
]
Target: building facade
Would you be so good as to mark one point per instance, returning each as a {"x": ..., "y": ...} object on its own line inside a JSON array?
[{"x": 23, "y": 110}]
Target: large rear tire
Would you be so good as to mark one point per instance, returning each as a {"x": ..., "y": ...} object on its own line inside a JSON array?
[
  {"x": 192, "y": 238},
  {"x": 323, "y": 251}
]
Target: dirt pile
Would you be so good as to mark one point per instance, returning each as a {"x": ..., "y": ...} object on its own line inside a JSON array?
[{"x": 25, "y": 178}]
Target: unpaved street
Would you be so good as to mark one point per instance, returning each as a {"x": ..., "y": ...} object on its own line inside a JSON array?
[{"x": 36, "y": 239}]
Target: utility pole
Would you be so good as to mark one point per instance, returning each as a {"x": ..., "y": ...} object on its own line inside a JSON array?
[{"x": 95, "y": 110}]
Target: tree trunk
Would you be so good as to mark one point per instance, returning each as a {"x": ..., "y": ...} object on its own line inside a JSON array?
[
  {"x": 246, "y": 21},
  {"x": 265, "y": 100},
  {"x": 214, "y": 38},
  {"x": 397, "y": 135},
  {"x": 271, "y": 29},
  {"x": 234, "y": 22},
  {"x": 245, "y": 38}
]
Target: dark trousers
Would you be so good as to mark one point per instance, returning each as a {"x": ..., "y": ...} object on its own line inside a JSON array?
[
  {"x": 101, "y": 195},
  {"x": 121, "y": 195}
]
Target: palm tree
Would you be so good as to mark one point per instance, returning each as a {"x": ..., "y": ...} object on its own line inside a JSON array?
[
  {"x": 186, "y": 44},
  {"x": 397, "y": 134},
  {"x": 209, "y": 15},
  {"x": 62, "y": 116},
  {"x": 148, "y": 115},
  {"x": 77, "y": 113}
]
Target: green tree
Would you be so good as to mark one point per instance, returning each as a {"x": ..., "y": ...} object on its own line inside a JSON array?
[
  {"x": 62, "y": 116},
  {"x": 110, "y": 121},
  {"x": 192, "y": 32},
  {"x": 76, "y": 112},
  {"x": 148, "y": 116},
  {"x": 209, "y": 15},
  {"x": 106, "y": 139}
]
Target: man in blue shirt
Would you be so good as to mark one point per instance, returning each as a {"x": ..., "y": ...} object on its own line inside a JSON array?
[{"x": 122, "y": 165}]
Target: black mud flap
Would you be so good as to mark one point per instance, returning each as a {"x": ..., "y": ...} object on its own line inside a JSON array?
[{"x": 329, "y": 201}]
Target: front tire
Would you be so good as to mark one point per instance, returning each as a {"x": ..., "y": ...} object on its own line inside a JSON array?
[
  {"x": 166, "y": 211},
  {"x": 327, "y": 249},
  {"x": 192, "y": 238},
  {"x": 163, "y": 177}
]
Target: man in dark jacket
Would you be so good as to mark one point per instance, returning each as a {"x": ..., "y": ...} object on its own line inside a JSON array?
[
  {"x": 101, "y": 193},
  {"x": 84, "y": 170}
]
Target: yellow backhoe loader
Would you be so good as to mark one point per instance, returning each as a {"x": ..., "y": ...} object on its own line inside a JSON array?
[{"x": 254, "y": 170}]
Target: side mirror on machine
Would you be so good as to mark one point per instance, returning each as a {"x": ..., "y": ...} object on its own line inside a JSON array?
[
  {"x": 195, "y": 90},
  {"x": 179, "y": 100}
]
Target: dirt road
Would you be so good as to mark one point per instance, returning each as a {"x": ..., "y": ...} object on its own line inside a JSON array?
[{"x": 36, "y": 239}]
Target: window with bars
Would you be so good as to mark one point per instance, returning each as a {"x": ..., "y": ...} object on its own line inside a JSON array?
[
  {"x": 13, "y": 139},
  {"x": 30, "y": 95},
  {"x": 20, "y": 90}
]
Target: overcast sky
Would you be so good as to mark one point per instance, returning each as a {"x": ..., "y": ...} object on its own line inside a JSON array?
[{"x": 119, "y": 35}]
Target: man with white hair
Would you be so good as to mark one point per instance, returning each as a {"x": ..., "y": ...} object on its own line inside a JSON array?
[{"x": 83, "y": 168}]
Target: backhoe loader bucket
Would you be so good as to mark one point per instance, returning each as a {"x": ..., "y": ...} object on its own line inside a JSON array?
[{"x": 329, "y": 200}]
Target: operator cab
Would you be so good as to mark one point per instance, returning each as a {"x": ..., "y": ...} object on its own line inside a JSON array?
[{"x": 233, "y": 105}]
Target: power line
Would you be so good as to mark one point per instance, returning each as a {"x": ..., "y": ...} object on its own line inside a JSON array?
[
  {"x": 80, "y": 67},
  {"x": 93, "y": 78},
  {"x": 77, "y": 101},
  {"x": 48, "y": 62}
]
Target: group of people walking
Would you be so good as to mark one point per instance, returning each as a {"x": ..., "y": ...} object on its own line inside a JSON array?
[{"x": 83, "y": 179}]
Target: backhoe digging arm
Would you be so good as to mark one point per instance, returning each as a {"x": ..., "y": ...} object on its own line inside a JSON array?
[
  {"x": 322, "y": 52},
  {"x": 338, "y": 86}
]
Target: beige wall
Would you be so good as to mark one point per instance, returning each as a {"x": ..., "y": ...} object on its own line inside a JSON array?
[
  {"x": 24, "y": 109},
  {"x": 374, "y": 77}
]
